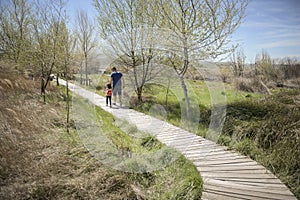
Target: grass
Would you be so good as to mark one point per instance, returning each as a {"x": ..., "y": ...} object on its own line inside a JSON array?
[
  {"x": 266, "y": 128},
  {"x": 40, "y": 160},
  {"x": 201, "y": 99},
  {"x": 178, "y": 179}
]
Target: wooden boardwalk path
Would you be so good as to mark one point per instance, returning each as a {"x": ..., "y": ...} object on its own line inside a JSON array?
[{"x": 227, "y": 175}]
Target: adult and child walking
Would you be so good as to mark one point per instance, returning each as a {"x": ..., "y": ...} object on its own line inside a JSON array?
[{"x": 114, "y": 87}]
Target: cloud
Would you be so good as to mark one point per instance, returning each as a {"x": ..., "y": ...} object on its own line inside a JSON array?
[
  {"x": 268, "y": 24},
  {"x": 273, "y": 13},
  {"x": 282, "y": 34},
  {"x": 282, "y": 43},
  {"x": 273, "y": 25}
]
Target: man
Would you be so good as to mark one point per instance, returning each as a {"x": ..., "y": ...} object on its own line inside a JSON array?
[{"x": 117, "y": 82}]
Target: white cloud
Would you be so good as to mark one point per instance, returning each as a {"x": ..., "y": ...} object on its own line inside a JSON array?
[
  {"x": 282, "y": 43},
  {"x": 273, "y": 25},
  {"x": 282, "y": 34}
]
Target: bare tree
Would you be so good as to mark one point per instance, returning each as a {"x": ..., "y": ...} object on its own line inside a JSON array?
[
  {"x": 264, "y": 69},
  {"x": 238, "y": 62},
  {"x": 127, "y": 28},
  {"x": 15, "y": 30},
  {"x": 67, "y": 46},
  {"x": 264, "y": 65},
  {"x": 49, "y": 25},
  {"x": 201, "y": 29},
  {"x": 290, "y": 67},
  {"x": 86, "y": 38}
]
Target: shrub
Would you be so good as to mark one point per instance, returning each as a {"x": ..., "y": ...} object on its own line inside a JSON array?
[
  {"x": 251, "y": 85},
  {"x": 243, "y": 84}
]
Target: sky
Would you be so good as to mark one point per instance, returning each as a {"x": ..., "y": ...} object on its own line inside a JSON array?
[{"x": 270, "y": 25}]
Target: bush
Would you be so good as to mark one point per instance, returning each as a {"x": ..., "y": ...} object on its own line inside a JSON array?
[
  {"x": 251, "y": 85},
  {"x": 244, "y": 84}
]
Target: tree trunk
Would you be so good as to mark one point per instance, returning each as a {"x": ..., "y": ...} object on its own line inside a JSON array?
[
  {"x": 186, "y": 98},
  {"x": 81, "y": 73},
  {"x": 139, "y": 93},
  {"x": 86, "y": 72},
  {"x": 57, "y": 82},
  {"x": 67, "y": 98},
  {"x": 167, "y": 94},
  {"x": 181, "y": 76},
  {"x": 43, "y": 89}
]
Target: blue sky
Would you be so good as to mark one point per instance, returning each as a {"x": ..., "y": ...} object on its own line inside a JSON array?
[{"x": 269, "y": 25}]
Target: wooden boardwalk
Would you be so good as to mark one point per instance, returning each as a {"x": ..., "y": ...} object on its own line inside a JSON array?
[{"x": 227, "y": 175}]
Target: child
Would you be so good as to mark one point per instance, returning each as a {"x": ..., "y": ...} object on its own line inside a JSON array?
[{"x": 108, "y": 94}]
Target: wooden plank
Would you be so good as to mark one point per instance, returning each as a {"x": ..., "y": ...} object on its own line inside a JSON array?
[
  {"x": 206, "y": 147},
  {"x": 169, "y": 133},
  {"x": 228, "y": 175},
  {"x": 258, "y": 184},
  {"x": 245, "y": 169},
  {"x": 227, "y": 162},
  {"x": 172, "y": 133},
  {"x": 237, "y": 192},
  {"x": 194, "y": 148},
  {"x": 200, "y": 151},
  {"x": 209, "y": 143},
  {"x": 246, "y": 180},
  {"x": 222, "y": 159},
  {"x": 200, "y": 156},
  {"x": 210, "y": 146},
  {"x": 179, "y": 138},
  {"x": 196, "y": 159},
  {"x": 182, "y": 143},
  {"x": 212, "y": 154},
  {"x": 253, "y": 172},
  {"x": 211, "y": 195},
  {"x": 217, "y": 195},
  {"x": 236, "y": 169},
  {"x": 188, "y": 148},
  {"x": 251, "y": 191},
  {"x": 237, "y": 165},
  {"x": 249, "y": 180},
  {"x": 178, "y": 144},
  {"x": 165, "y": 132}
]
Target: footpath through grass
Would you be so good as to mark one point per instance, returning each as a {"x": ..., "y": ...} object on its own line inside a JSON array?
[
  {"x": 266, "y": 128},
  {"x": 40, "y": 160},
  {"x": 177, "y": 180}
]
